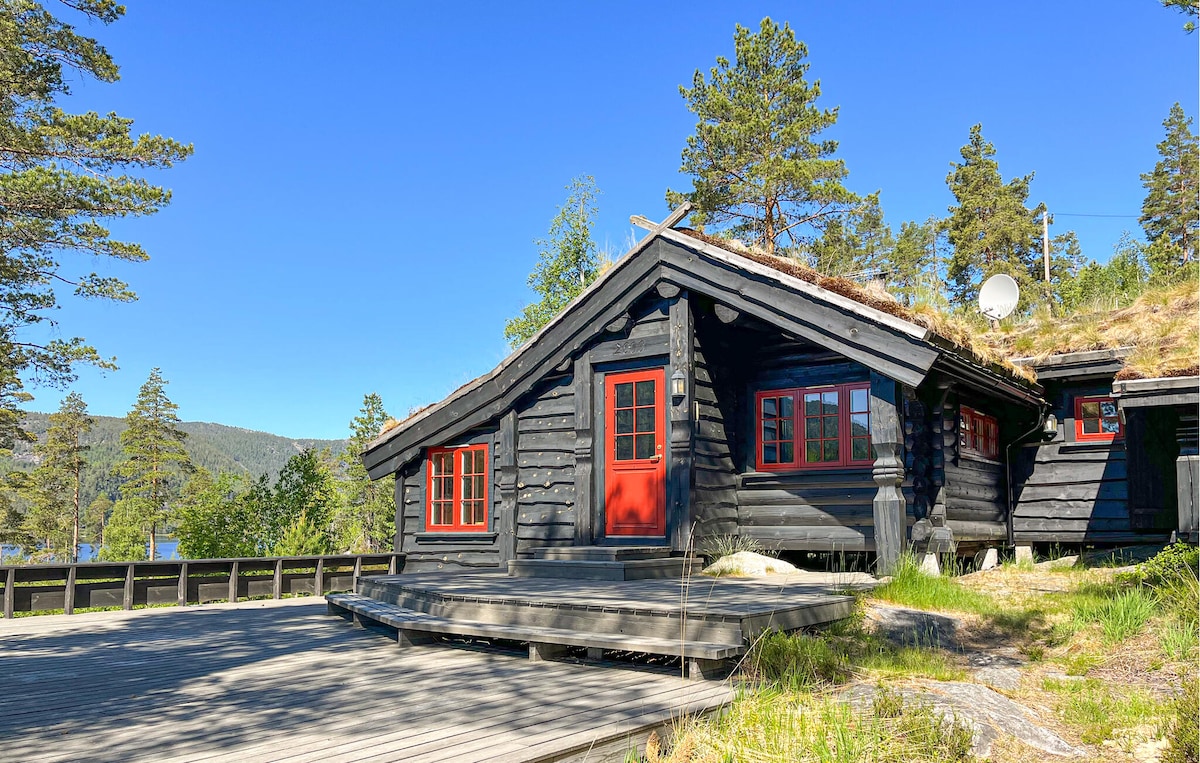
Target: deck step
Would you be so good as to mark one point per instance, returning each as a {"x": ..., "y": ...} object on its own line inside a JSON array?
[
  {"x": 407, "y": 621},
  {"x": 602, "y": 553},
  {"x": 581, "y": 569}
]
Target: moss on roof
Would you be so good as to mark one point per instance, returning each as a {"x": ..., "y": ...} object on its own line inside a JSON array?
[
  {"x": 962, "y": 334},
  {"x": 1161, "y": 330}
]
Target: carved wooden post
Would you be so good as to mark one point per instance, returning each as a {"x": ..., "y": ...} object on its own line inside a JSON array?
[
  {"x": 889, "y": 507},
  {"x": 679, "y": 489},
  {"x": 398, "y": 542},
  {"x": 585, "y": 504},
  {"x": 506, "y": 523}
]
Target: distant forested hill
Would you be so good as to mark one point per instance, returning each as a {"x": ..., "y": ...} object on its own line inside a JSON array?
[{"x": 215, "y": 447}]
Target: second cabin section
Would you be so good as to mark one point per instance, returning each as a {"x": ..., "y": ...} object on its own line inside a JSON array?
[{"x": 696, "y": 391}]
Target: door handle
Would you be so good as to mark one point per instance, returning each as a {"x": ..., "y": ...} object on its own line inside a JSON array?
[{"x": 656, "y": 458}]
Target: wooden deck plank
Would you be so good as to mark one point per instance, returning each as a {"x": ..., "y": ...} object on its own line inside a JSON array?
[{"x": 284, "y": 679}]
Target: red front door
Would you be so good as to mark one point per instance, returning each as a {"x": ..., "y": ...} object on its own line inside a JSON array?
[{"x": 635, "y": 466}]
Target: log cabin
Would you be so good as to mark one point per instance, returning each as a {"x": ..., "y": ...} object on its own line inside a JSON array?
[{"x": 698, "y": 388}]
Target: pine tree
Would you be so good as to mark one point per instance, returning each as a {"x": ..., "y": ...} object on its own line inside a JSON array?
[
  {"x": 911, "y": 270},
  {"x": 154, "y": 455},
  {"x": 1171, "y": 210},
  {"x": 54, "y": 487},
  {"x": 63, "y": 176},
  {"x": 306, "y": 501},
  {"x": 567, "y": 261},
  {"x": 757, "y": 161},
  {"x": 991, "y": 228},
  {"x": 367, "y": 513},
  {"x": 856, "y": 243}
]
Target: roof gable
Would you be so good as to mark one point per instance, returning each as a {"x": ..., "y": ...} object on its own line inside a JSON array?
[{"x": 898, "y": 348}]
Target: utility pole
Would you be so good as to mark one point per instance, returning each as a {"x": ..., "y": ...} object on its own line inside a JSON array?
[{"x": 1046, "y": 242}]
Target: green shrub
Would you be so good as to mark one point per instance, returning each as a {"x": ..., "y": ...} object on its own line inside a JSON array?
[{"x": 1182, "y": 732}]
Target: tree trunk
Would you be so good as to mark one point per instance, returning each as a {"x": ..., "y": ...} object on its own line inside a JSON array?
[
  {"x": 153, "y": 545},
  {"x": 75, "y": 527}
]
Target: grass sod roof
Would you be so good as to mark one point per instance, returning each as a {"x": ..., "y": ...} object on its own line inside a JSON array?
[
  {"x": 961, "y": 334},
  {"x": 1159, "y": 334}
]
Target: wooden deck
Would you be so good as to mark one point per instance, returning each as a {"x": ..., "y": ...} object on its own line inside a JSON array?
[{"x": 284, "y": 681}]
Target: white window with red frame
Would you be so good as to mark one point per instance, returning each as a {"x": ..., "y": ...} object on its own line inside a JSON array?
[
  {"x": 813, "y": 427},
  {"x": 978, "y": 433},
  {"x": 457, "y": 493},
  {"x": 1097, "y": 419}
]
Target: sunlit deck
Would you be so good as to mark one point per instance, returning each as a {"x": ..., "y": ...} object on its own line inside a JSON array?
[{"x": 283, "y": 681}]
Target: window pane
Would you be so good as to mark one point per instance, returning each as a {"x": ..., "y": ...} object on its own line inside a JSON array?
[
  {"x": 468, "y": 491},
  {"x": 1091, "y": 426},
  {"x": 645, "y": 392},
  {"x": 787, "y": 452},
  {"x": 831, "y": 426},
  {"x": 831, "y": 450},
  {"x": 859, "y": 449},
  {"x": 858, "y": 401},
  {"x": 1090, "y": 410},
  {"x": 785, "y": 407},
  {"x": 443, "y": 463},
  {"x": 645, "y": 446},
  {"x": 480, "y": 458},
  {"x": 812, "y": 428},
  {"x": 812, "y": 404},
  {"x": 624, "y": 421},
  {"x": 859, "y": 424},
  {"x": 829, "y": 402},
  {"x": 785, "y": 429},
  {"x": 1110, "y": 426},
  {"x": 437, "y": 489},
  {"x": 812, "y": 452},
  {"x": 645, "y": 419},
  {"x": 770, "y": 431},
  {"x": 479, "y": 490},
  {"x": 770, "y": 453},
  {"x": 624, "y": 395},
  {"x": 625, "y": 448},
  {"x": 770, "y": 407},
  {"x": 1108, "y": 408}
]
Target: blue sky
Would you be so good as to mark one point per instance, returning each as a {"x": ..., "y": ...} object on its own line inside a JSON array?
[{"x": 369, "y": 178}]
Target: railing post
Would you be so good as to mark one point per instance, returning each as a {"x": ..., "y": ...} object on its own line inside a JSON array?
[
  {"x": 392, "y": 563},
  {"x": 319, "y": 578},
  {"x": 181, "y": 592},
  {"x": 127, "y": 598},
  {"x": 233, "y": 583},
  {"x": 10, "y": 592},
  {"x": 69, "y": 593},
  {"x": 278, "y": 589},
  {"x": 357, "y": 572}
]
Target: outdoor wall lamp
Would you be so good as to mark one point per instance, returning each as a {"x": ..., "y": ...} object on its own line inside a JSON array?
[{"x": 679, "y": 384}]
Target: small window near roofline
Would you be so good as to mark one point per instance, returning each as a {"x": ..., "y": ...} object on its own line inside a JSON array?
[{"x": 1097, "y": 419}]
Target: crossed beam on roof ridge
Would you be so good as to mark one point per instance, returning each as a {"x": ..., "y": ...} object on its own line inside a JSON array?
[{"x": 676, "y": 215}]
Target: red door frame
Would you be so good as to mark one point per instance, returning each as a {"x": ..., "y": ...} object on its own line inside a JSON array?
[{"x": 635, "y": 489}]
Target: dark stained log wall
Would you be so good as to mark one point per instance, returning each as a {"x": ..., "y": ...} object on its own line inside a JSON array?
[
  {"x": 1071, "y": 492},
  {"x": 714, "y": 496},
  {"x": 545, "y": 488}
]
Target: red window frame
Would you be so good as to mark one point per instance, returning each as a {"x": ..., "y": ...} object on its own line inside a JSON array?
[
  {"x": 447, "y": 491},
  {"x": 978, "y": 433},
  {"x": 1099, "y": 435},
  {"x": 773, "y": 422}
]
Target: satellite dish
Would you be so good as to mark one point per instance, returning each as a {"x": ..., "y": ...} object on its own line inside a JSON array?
[{"x": 998, "y": 296}]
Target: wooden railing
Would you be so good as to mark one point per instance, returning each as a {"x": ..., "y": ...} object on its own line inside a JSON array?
[{"x": 40, "y": 587}]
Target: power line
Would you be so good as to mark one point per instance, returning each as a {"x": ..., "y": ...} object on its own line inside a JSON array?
[{"x": 1079, "y": 214}]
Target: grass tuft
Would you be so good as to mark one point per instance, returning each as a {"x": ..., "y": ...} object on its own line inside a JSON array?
[{"x": 911, "y": 587}]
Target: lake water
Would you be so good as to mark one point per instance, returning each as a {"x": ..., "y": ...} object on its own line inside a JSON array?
[{"x": 167, "y": 549}]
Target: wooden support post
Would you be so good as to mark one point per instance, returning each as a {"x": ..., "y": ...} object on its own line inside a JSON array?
[
  {"x": 407, "y": 638},
  {"x": 1187, "y": 474},
  {"x": 277, "y": 583},
  {"x": 586, "y": 504},
  {"x": 699, "y": 668},
  {"x": 69, "y": 592},
  {"x": 540, "y": 652},
  {"x": 506, "y": 522},
  {"x": 319, "y": 578},
  {"x": 357, "y": 572},
  {"x": 181, "y": 590},
  {"x": 679, "y": 474},
  {"x": 888, "y": 506},
  {"x": 10, "y": 591},
  {"x": 392, "y": 564},
  {"x": 233, "y": 582},
  {"x": 127, "y": 593},
  {"x": 398, "y": 543},
  {"x": 595, "y": 653}
]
